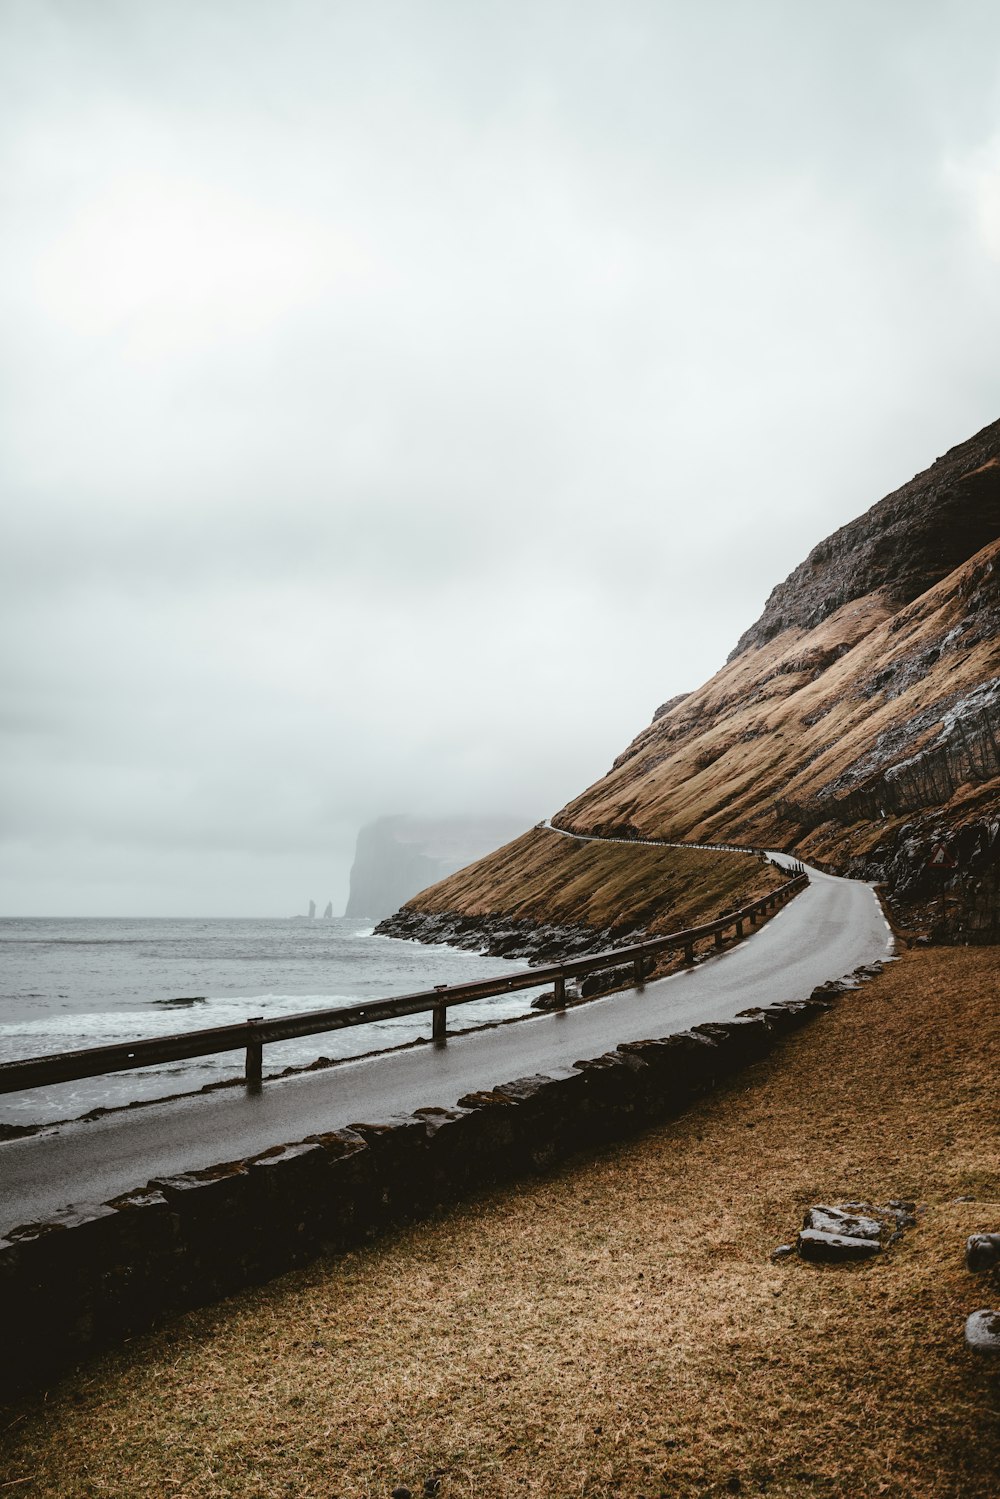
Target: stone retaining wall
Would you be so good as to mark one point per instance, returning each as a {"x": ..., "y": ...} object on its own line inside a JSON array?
[{"x": 95, "y": 1274}]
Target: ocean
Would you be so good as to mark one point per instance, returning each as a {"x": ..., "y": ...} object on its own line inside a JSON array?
[{"x": 66, "y": 984}]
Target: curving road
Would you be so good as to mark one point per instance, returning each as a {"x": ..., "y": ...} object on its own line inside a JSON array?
[{"x": 830, "y": 929}]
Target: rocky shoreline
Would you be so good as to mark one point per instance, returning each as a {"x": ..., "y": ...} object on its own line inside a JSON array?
[{"x": 508, "y": 936}]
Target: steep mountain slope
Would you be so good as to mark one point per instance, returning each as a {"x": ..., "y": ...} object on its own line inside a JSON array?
[{"x": 856, "y": 721}]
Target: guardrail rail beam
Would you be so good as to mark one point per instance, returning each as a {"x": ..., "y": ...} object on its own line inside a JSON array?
[{"x": 253, "y": 1034}]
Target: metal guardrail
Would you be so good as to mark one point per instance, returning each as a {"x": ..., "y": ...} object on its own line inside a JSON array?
[{"x": 254, "y": 1034}]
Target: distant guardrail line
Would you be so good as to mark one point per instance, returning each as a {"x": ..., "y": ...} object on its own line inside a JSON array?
[
  {"x": 253, "y": 1034},
  {"x": 630, "y": 840}
]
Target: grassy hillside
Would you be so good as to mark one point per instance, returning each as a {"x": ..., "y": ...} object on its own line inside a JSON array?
[{"x": 545, "y": 877}]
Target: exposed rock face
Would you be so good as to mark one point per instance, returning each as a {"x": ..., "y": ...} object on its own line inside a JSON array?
[
  {"x": 904, "y": 544},
  {"x": 964, "y": 898},
  {"x": 965, "y": 748},
  {"x": 397, "y": 856},
  {"x": 508, "y": 936}
]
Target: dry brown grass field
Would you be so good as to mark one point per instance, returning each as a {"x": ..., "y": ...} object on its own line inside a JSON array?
[{"x": 616, "y": 1328}]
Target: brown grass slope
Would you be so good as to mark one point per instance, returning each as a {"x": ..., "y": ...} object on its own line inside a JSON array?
[{"x": 546, "y": 877}]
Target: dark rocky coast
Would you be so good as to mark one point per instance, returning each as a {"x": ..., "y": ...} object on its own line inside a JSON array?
[{"x": 508, "y": 936}]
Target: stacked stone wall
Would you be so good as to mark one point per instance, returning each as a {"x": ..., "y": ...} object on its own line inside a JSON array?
[{"x": 96, "y": 1274}]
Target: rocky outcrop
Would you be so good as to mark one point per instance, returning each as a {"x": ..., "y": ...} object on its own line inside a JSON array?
[
  {"x": 849, "y": 1232},
  {"x": 902, "y": 546},
  {"x": 964, "y": 747},
  {"x": 508, "y": 936},
  {"x": 956, "y": 900}
]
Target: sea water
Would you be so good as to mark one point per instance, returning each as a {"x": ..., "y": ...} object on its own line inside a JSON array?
[{"x": 67, "y": 984}]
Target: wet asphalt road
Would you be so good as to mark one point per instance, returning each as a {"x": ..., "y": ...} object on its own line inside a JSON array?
[{"x": 824, "y": 933}]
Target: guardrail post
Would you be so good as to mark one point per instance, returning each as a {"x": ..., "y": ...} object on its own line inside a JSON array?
[
  {"x": 719, "y": 939},
  {"x": 639, "y": 972},
  {"x": 439, "y": 1022},
  {"x": 559, "y": 993},
  {"x": 739, "y": 929},
  {"x": 255, "y": 1058},
  {"x": 689, "y": 952}
]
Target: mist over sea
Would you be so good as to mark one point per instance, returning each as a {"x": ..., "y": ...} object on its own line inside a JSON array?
[{"x": 67, "y": 984}]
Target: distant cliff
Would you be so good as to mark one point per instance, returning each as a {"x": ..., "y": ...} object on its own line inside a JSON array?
[{"x": 396, "y": 857}]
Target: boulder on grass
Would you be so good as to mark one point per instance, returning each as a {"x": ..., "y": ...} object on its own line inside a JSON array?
[
  {"x": 835, "y": 1220},
  {"x": 831, "y": 1248},
  {"x": 982, "y": 1251},
  {"x": 982, "y": 1332}
]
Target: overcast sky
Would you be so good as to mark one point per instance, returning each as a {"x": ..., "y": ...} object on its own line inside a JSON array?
[{"x": 398, "y": 401}]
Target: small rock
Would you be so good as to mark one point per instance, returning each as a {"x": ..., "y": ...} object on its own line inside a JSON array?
[
  {"x": 546, "y": 1001},
  {"x": 901, "y": 1205},
  {"x": 401, "y": 1493},
  {"x": 982, "y": 1332},
  {"x": 782, "y": 1252},
  {"x": 815, "y": 1244},
  {"x": 832, "y": 1220},
  {"x": 982, "y": 1251}
]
